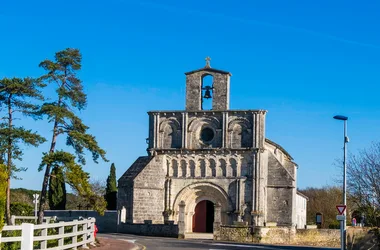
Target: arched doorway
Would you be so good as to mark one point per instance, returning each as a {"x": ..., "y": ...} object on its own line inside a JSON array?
[{"x": 203, "y": 218}]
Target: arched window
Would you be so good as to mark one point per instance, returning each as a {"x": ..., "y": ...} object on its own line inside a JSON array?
[
  {"x": 192, "y": 168},
  {"x": 183, "y": 168},
  {"x": 240, "y": 136},
  {"x": 203, "y": 168},
  {"x": 233, "y": 166},
  {"x": 213, "y": 167},
  {"x": 222, "y": 165},
  {"x": 175, "y": 168}
]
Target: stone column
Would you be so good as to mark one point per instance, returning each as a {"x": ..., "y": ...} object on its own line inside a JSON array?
[
  {"x": 181, "y": 220},
  {"x": 184, "y": 130},
  {"x": 207, "y": 167},
  {"x": 157, "y": 129},
  {"x": 217, "y": 220}
]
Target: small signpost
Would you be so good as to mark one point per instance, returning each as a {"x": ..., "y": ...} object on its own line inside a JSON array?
[
  {"x": 342, "y": 218},
  {"x": 341, "y": 209},
  {"x": 319, "y": 219},
  {"x": 35, "y": 201}
]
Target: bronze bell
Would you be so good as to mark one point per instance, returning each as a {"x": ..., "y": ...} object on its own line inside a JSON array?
[{"x": 207, "y": 94}]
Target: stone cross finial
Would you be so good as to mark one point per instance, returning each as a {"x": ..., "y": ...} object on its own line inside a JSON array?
[{"x": 208, "y": 59}]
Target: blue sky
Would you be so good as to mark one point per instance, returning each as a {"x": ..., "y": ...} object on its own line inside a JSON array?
[{"x": 303, "y": 61}]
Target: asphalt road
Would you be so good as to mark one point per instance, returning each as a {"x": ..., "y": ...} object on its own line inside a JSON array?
[{"x": 159, "y": 243}]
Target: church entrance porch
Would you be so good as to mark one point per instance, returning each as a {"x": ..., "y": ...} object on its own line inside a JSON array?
[
  {"x": 203, "y": 217},
  {"x": 199, "y": 201}
]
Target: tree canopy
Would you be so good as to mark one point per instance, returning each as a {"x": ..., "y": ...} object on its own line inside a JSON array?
[
  {"x": 70, "y": 97},
  {"x": 17, "y": 95},
  {"x": 363, "y": 182}
]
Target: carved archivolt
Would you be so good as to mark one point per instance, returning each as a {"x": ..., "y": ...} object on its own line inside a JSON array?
[
  {"x": 194, "y": 193},
  {"x": 197, "y": 123},
  {"x": 239, "y": 120},
  {"x": 173, "y": 122}
]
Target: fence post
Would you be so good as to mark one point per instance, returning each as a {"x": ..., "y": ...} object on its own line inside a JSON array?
[
  {"x": 84, "y": 236},
  {"x": 75, "y": 237},
  {"x": 61, "y": 232},
  {"x": 27, "y": 233},
  {"x": 92, "y": 232},
  {"x": 13, "y": 220},
  {"x": 44, "y": 232}
]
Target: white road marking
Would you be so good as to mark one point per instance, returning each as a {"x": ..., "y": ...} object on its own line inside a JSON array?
[
  {"x": 131, "y": 241},
  {"x": 248, "y": 246}
]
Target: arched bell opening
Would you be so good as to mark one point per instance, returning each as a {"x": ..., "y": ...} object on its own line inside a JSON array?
[{"x": 207, "y": 92}]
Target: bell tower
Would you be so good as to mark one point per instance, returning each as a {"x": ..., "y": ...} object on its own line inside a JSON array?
[{"x": 197, "y": 91}]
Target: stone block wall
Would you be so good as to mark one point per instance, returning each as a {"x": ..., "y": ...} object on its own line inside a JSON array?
[
  {"x": 280, "y": 192},
  {"x": 163, "y": 230},
  {"x": 221, "y": 91},
  {"x": 148, "y": 192},
  {"x": 233, "y": 129}
]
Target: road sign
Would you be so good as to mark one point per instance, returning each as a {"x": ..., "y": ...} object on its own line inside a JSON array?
[
  {"x": 341, "y": 208},
  {"x": 340, "y": 217}
]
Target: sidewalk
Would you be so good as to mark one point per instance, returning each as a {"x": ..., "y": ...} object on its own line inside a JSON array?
[{"x": 114, "y": 244}]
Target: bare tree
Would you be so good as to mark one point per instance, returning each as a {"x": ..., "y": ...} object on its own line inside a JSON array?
[{"x": 363, "y": 181}]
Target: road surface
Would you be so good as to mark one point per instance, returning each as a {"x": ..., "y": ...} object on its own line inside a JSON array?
[{"x": 159, "y": 243}]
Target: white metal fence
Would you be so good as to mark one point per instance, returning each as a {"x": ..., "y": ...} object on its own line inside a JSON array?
[{"x": 57, "y": 236}]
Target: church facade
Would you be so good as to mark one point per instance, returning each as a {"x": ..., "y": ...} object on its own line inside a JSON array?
[{"x": 204, "y": 157}]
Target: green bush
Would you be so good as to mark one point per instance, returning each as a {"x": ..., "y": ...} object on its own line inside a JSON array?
[
  {"x": 21, "y": 209},
  {"x": 334, "y": 225}
]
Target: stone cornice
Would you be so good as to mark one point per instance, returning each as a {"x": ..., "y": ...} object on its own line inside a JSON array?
[{"x": 207, "y": 112}]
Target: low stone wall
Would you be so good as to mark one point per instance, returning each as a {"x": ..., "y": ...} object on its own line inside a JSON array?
[
  {"x": 234, "y": 233},
  {"x": 317, "y": 237},
  {"x": 279, "y": 235},
  {"x": 105, "y": 224},
  {"x": 163, "y": 230},
  {"x": 275, "y": 235},
  {"x": 359, "y": 238}
]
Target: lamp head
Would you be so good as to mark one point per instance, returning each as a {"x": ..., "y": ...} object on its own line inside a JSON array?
[{"x": 341, "y": 117}]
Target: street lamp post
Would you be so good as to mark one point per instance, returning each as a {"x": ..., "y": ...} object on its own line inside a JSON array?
[{"x": 343, "y": 222}]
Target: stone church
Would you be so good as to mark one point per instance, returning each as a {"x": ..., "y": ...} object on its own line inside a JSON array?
[{"x": 207, "y": 156}]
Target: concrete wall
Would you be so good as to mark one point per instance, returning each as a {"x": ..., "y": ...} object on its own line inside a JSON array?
[
  {"x": 163, "y": 230},
  {"x": 105, "y": 224},
  {"x": 301, "y": 204}
]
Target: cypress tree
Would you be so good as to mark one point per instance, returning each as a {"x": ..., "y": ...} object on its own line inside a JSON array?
[
  {"x": 70, "y": 97},
  {"x": 57, "y": 190},
  {"x": 17, "y": 96},
  {"x": 111, "y": 189}
]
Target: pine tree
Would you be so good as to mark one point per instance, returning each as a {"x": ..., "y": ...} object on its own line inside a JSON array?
[
  {"x": 57, "y": 190},
  {"x": 111, "y": 189},
  {"x": 70, "y": 96},
  {"x": 17, "y": 96}
]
